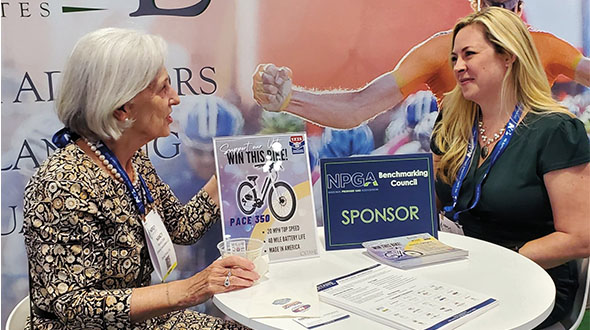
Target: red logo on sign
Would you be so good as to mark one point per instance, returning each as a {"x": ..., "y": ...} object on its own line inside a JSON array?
[{"x": 296, "y": 139}]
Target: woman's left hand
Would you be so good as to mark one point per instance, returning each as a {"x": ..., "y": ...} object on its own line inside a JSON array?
[
  {"x": 223, "y": 275},
  {"x": 236, "y": 272}
]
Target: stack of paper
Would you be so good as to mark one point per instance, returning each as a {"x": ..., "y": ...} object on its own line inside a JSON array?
[
  {"x": 411, "y": 251},
  {"x": 391, "y": 297}
]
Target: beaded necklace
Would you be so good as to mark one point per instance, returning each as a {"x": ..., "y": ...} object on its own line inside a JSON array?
[
  {"x": 108, "y": 164},
  {"x": 486, "y": 140}
]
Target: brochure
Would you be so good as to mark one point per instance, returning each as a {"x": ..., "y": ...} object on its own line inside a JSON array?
[
  {"x": 265, "y": 192},
  {"x": 413, "y": 250},
  {"x": 390, "y": 296}
]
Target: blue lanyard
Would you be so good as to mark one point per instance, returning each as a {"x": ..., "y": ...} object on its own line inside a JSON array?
[
  {"x": 110, "y": 156},
  {"x": 496, "y": 153}
]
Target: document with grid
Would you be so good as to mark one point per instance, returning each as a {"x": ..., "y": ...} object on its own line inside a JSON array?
[{"x": 394, "y": 298}]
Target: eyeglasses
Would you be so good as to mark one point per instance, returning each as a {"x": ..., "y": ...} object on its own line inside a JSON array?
[{"x": 508, "y": 4}]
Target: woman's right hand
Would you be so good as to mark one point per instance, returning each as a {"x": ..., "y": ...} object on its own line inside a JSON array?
[{"x": 203, "y": 285}]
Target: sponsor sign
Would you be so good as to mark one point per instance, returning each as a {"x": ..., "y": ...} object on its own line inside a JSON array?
[{"x": 374, "y": 197}]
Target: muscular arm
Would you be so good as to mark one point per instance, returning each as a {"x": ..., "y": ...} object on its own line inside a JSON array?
[
  {"x": 346, "y": 109},
  {"x": 425, "y": 64},
  {"x": 569, "y": 193},
  {"x": 560, "y": 57}
]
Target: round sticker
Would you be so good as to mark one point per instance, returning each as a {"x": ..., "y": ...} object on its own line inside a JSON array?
[
  {"x": 281, "y": 301},
  {"x": 301, "y": 308}
]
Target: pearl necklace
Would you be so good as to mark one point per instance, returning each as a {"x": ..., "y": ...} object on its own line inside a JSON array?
[
  {"x": 486, "y": 140},
  {"x": 108, "y": 164}
]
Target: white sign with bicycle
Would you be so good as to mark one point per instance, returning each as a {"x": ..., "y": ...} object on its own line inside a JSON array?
[{"x": 265, "y": 192}]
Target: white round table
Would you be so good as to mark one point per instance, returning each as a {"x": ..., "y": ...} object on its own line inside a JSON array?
[{"x": 525, "y": 292}]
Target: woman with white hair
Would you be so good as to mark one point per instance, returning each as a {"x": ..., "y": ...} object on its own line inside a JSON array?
[
  {"x": 512, "y": 165},
  {"x": 98, "y": 219}
]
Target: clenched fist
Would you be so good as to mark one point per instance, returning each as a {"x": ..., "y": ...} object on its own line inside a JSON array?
[{"x": 271, "y": 86}]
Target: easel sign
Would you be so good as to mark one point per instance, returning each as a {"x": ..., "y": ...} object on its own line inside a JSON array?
[
  {"x": 265, "y": 192},
  {"x": 375, "y": 197}
]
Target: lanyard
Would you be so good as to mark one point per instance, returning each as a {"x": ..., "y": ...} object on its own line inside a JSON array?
[
  {"x": 110, "y": 156},
  {"x": 496, "y": 153},
  {"x": 64, "y": 136},
  {"x": 158, "y": 240}
]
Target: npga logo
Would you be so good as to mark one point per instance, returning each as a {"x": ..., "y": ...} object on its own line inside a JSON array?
[{"x": 346, "y": 180}]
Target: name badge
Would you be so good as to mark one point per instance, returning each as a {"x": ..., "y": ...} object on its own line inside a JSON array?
[
  {"x": 160, "y": 245},
  {"x": 448, "y": 226}
]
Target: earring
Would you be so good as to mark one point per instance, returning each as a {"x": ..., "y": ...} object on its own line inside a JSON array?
[{"x": 126, "y": 120}]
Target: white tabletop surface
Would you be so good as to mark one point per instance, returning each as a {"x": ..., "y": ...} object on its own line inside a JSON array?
[{"x": 525, "y": 292}]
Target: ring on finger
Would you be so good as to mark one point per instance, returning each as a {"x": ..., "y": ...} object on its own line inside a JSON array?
[{"x": 226, "y": 282}]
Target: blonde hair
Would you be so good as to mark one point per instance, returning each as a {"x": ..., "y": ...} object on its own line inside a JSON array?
[{"x": 525, "y": 79}]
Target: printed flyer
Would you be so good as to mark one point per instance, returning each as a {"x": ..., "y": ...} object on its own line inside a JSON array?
[
  {"x": 265, "y": 192},
  {"x": 403, "y": 301},
  {"x": 374, "y": 197}
]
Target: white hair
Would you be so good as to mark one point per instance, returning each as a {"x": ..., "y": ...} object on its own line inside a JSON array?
[{"x": 106, "y": 69}]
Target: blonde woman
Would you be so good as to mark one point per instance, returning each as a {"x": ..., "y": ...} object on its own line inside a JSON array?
[{"x": 512, "y": 165}]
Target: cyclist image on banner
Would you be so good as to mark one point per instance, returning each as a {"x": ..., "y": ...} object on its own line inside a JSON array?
[
  {"x": 410, "y": 125},
  {"x": 337, "y": 143},
  {"x": 199, "y": 119},
  {"x": 257, "y": 202}
]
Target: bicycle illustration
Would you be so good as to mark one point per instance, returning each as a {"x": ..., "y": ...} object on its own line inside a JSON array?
[
  {"x": 281, "y": 196},
  {"x": 399, "y": 252}
]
